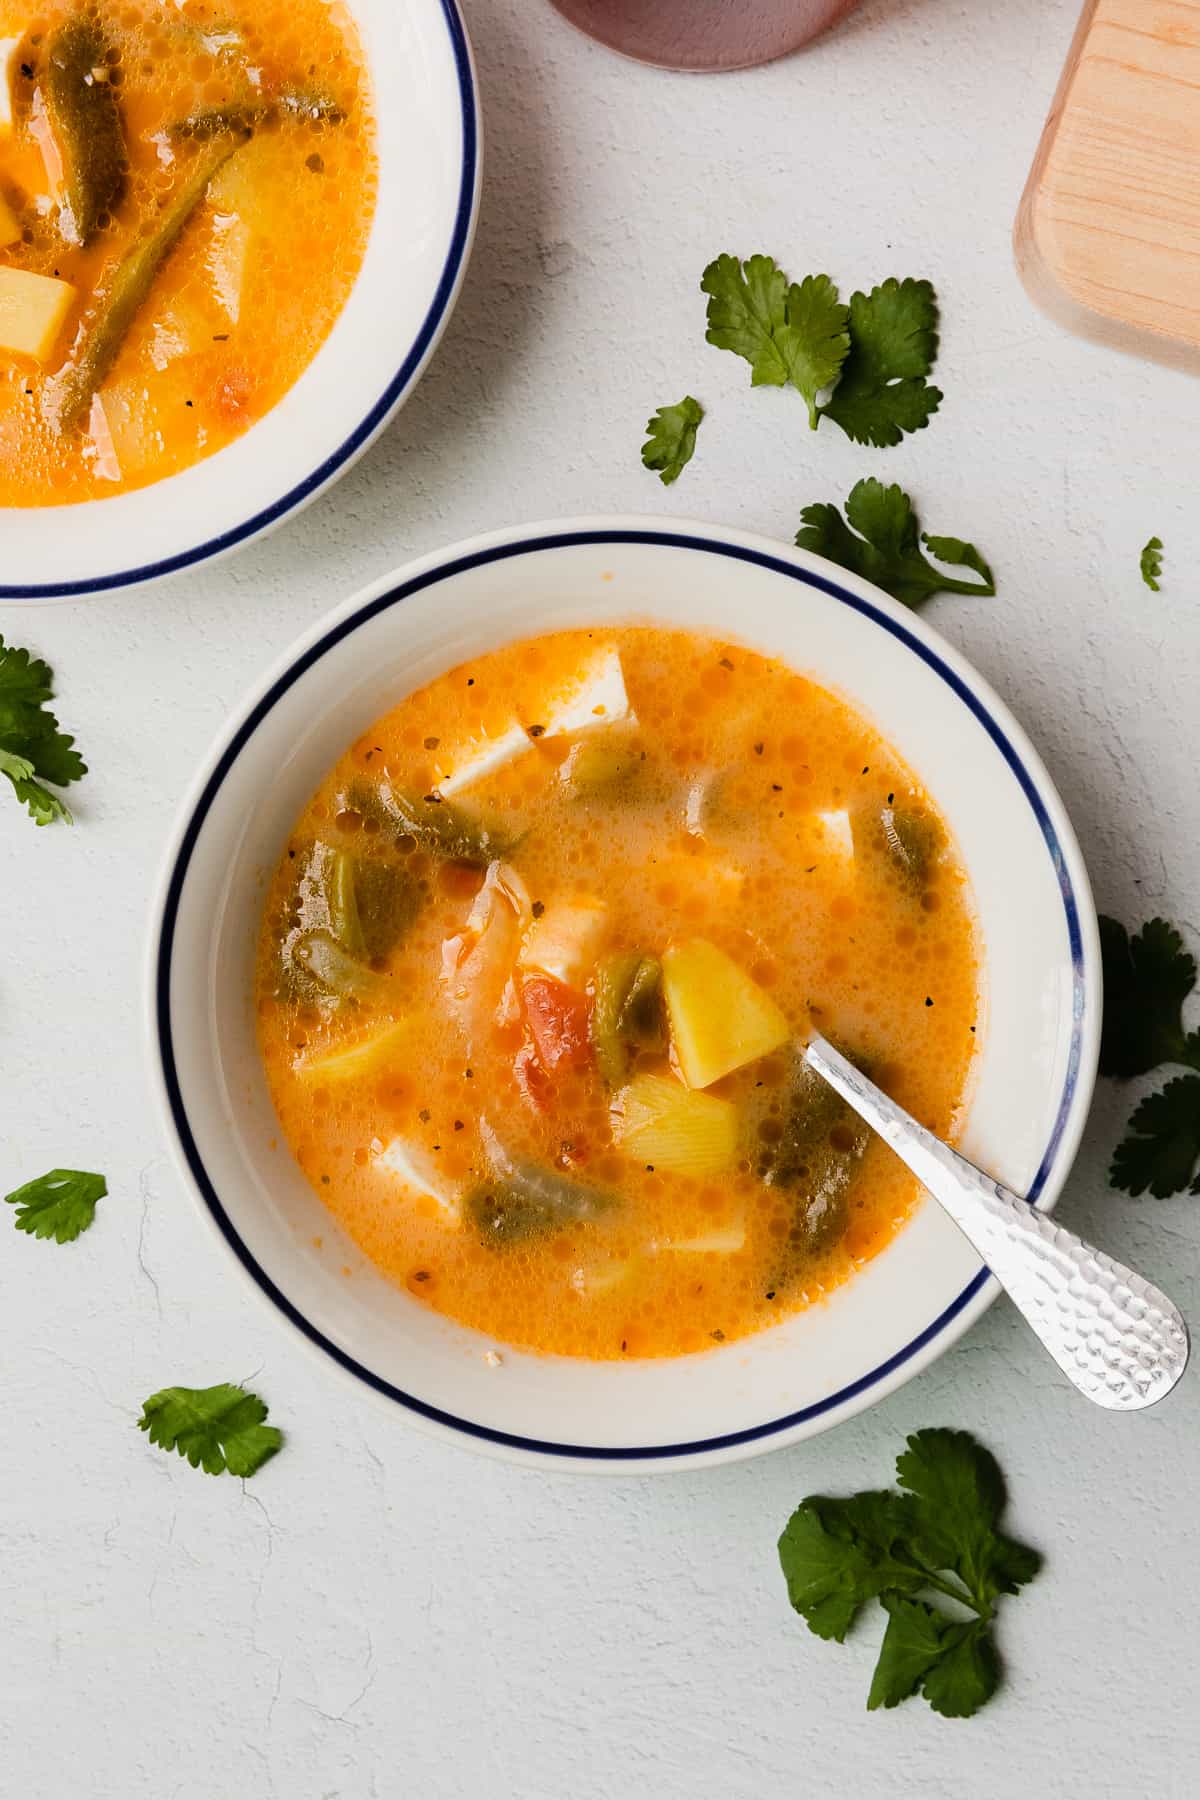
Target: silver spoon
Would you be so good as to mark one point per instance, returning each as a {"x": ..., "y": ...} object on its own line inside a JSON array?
[{"x": 1115, "y": 1335}]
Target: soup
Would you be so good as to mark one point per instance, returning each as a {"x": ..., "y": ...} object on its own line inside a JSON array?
[
  {"x": 534, "y": 970},
  {"x": 186, "y": 191}
]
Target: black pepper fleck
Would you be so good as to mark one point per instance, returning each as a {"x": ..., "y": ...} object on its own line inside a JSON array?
[
  {"x": 537, "y": 731},
  {"x": 928, "y": 1001},
  {"x": 424, "y": 1115},
  {"x": 758, "y": 749},
  {"x": 458, "y": 1124},
  {"x": 725, "y": 663},
  {"x": 538, "y": 908}
]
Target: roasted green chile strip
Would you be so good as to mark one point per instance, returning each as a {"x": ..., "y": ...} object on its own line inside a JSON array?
[
  {"x": 438, "y": 826},
  {"x": 627, "y": 1011},
  {"x": 814, "y": 1159},
  {"x": 912, "y": 840},
  {"x": 344, "y": 911},
  {"x": 528, "y": 1201},
  {"x": 333, "y": 969},
  {"x": 598, "y": 771},
  {"x": 306, "y": 105},
  {"x": 100, "y": 342},
  {"x": 387, "y": 900},
  {"x": 85, "y": 120}
]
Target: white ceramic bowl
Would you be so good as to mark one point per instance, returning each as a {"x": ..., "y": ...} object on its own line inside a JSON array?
[
  {"x": 1040, "y": 1024},
  {"x": 423, "y": 84}
]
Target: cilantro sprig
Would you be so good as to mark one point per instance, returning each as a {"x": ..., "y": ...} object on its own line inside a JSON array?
[
  {"x": 871, "y": 357},
  {"x": 216, "y": 1428},
  {"x": 1150, "y": 563},
  {"x": 883, "y": 392},
  {"x": 1147, "y": 979},
  {"x": 59, "y": 1205},
  {"x": 671, "y": 438},
  {"x": 33, "y": 750},
  {"x": 937, "y": 1541},
  {"x": 887, "y": 549}
]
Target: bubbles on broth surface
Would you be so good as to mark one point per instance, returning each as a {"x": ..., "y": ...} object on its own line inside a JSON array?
[
  {"x": 864, "y": 953},
  {"x": 305, "y": 230}
]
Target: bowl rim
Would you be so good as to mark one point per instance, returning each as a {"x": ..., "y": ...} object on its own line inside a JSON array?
[
  {"x": 395, "y": 392},
  {"x": 989, "y": 711}
]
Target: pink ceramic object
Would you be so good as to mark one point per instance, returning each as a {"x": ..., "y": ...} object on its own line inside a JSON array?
[{"x": 704, "y": 34}]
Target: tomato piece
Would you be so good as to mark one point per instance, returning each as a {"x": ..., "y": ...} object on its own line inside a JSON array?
[
  {"x": 558, "y": 1022},
  {"x": 532, "y": 1079}
]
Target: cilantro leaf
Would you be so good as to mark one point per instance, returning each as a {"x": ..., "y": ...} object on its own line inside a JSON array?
[
  {"x": 24, "y": 679},
  {"x": 787, "y": 333},
  {"x": 967, "y": 1673},
  {"x": 887, "y": 551},
  {"x": 671, "y": 438},
  {"x": 1147, "y": 978},
  {"x": 939, "y": 1537},
  {"x": 746, "y": 310},
  {"x": 953, "y": 1662},
  {"x": 32, "y": 748},
  {"x": 59, "y": 1205},
  {"x": 217, "y": 1428},
  {"x": 838, "y": 1554},
  {"x": 1162, "y": 1146},
  {"x": 1151, "y": 563},
  {"x": 959, "y": 1492},
  {"x": 883, "y": 392},
  {"x": 816, "y": 341}
]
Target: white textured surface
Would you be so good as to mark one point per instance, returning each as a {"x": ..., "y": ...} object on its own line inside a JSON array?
[{"x": 377, "y": 1615}]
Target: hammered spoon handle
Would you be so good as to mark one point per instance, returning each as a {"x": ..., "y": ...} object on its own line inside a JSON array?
[{"x": 1115, "y": 1335}]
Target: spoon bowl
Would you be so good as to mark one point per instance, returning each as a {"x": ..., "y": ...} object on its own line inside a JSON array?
[{"x": 1114, "y": 1335}]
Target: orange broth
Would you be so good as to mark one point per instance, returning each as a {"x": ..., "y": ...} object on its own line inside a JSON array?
[
  {"x": 261, "y": 270},
  {"x": 736, "y": 803}
]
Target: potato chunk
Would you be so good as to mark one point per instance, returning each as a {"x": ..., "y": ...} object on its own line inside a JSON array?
[
  {"x": 668, "y": 1126},
  {"x": 720, "y": 1018},
  {"x": 33, "y": 309}
]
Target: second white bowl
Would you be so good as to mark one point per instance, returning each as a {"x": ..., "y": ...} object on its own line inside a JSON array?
[
  {"x": 1040, "y": 1023},
  {"x": 428, "y": 143}
]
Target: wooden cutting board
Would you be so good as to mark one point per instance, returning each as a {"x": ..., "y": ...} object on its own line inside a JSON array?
[{"x": 1108, "y": 234}]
